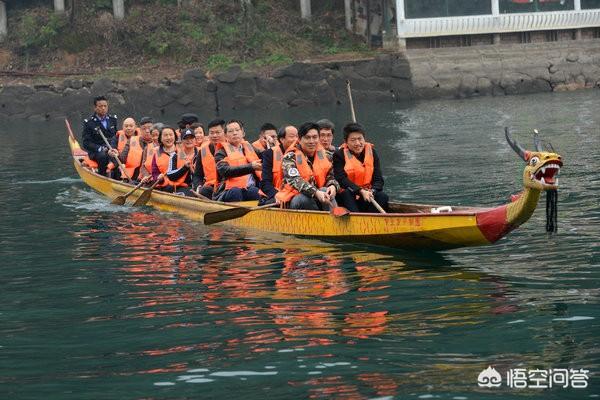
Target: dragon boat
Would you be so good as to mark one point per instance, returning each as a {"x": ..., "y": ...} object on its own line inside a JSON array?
[{"x": 407, "y": 226}]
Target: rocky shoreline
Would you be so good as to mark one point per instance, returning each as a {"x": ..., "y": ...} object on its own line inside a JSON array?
[{"x": 388, "y": 77}]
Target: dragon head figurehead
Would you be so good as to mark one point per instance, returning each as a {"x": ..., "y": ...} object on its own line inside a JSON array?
[
  {"x": 540, "y": 175},
  {"x": 543, "y": 167}
]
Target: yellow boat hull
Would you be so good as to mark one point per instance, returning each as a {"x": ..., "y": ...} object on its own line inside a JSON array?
[{"x": 399, "y": 230}]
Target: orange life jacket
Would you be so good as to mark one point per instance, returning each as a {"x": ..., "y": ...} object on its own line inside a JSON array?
[
  {"x": 235, "y": 158},
  {"x": 359, "y": 173},
  {"x": 121, "y": 142},
  {"x": 208, "y": 165},
  {"x": 162, "y": 161},
  {"x": 277, "y": 167},
  {"x": 258, "y": 145},
  {"x": 318, "y": 172},
  {"x": 149, "y": 155},
  {"x": 135, "y": 154},
  {"x": 84, "y": 159}
]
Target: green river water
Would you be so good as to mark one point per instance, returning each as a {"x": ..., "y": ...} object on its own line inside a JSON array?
[{"x": 106, "y": 302}]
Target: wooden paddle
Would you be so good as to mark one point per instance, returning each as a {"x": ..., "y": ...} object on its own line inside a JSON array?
[
  {"x": 198, "y": 195},
  {"x": 121, "y": 166},
  {"x": 377, "y": 206},
  {"x": 232, "y": 213},
  {"x": 144, "y": 197},
  {"x": 120, "y": 200}
]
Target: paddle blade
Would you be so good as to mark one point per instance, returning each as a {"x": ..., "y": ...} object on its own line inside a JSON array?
[
  {"x": 143, "y": 199},
  {"x": 119, "y": 200},
  {"x": 340, "y": 211},
  {"x": 225, "y": 215}
]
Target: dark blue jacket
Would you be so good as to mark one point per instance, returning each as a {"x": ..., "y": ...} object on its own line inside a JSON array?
[{"x": 91, "y": 139}]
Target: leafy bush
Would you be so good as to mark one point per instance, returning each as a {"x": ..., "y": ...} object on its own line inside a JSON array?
[
  {"x": 40, "y": 30},
  {"x": 213, "y": 34},
  {"x": 218, "y": 62}
]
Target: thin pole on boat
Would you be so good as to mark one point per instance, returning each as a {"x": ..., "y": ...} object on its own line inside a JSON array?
[
  {"x": 376, "y": 204},
  {"x": 351, "y": 101}
]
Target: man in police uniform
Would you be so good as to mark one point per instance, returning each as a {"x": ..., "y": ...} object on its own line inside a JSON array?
[{"x": 93, "y": 143}]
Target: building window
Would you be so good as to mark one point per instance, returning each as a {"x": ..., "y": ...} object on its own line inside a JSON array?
[
  {"x": 525, "y": 6},
  {"x": 446, "y": 8},
  {"x": 585, "y": 4}
]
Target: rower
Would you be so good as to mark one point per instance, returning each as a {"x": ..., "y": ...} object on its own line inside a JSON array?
[
  {"x": 357, "y": 169},
  {"x": 92, "y": 141},
  {"x": 181, "y": 163},
  {"x": 199, "y": 134},
  {"x": 326, "y": 130},
  {"x": 309, "y": 183},
  {"x": 267, "y": 138},
  {"x": 146, "y": 125},
  {"x": 238, "y": 167},
  {"x": 204, "y": 178},
  {"x": 272, "y": 174},
  {"x": 155, "y": 132},
  {"x": 162, "y": 157},
  {"x": 130, "y": 150},
  {"x": 149, "y": 147}
]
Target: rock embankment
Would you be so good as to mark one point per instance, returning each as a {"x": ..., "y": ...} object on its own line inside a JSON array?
[
  {"x": 388, "y": 77},
  {"x": 383, "y": 78}
]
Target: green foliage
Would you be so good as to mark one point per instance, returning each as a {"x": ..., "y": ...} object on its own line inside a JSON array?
[
  {"x": 161, "y": 42},
  {"x": 226, "y": 35},
  {"x": 194, "y": 31},
  {"x": 213, "y": 34},
  {"x": 274, "y": 60},
  {"x": 39, "y": 30},
  {"x": 218, "y": 62}
]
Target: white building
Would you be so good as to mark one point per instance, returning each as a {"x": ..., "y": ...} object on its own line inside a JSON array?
[{"x": 445, "y": 23}]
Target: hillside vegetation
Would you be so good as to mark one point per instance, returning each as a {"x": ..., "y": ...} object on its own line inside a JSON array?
[{"x": 167, "y": 35}]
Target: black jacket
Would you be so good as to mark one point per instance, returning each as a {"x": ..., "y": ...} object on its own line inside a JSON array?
[
  {"x": 266, "y": 183},
  {"x": 91, "y": 139},
  {"x": 340, "y": 174}
]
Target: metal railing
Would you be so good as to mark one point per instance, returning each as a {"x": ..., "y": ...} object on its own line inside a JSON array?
[{"x": 481, "y": 24}]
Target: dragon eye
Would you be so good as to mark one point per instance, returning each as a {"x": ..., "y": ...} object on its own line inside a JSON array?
[{"x": 534, "y": 161}]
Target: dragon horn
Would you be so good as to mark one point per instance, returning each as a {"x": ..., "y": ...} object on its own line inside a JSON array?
[
  {"x": 536, "y": 141},
  {"x": 515, "y": 145}
]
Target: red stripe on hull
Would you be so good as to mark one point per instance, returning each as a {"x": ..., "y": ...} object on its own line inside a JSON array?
[{"x": 493, "y": 223}]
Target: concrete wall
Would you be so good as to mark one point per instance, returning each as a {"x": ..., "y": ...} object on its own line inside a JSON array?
[{"x": 505, "y": 70}]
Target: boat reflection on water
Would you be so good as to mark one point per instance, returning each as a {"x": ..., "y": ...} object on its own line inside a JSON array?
[{"x": 219, "y": 298}]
